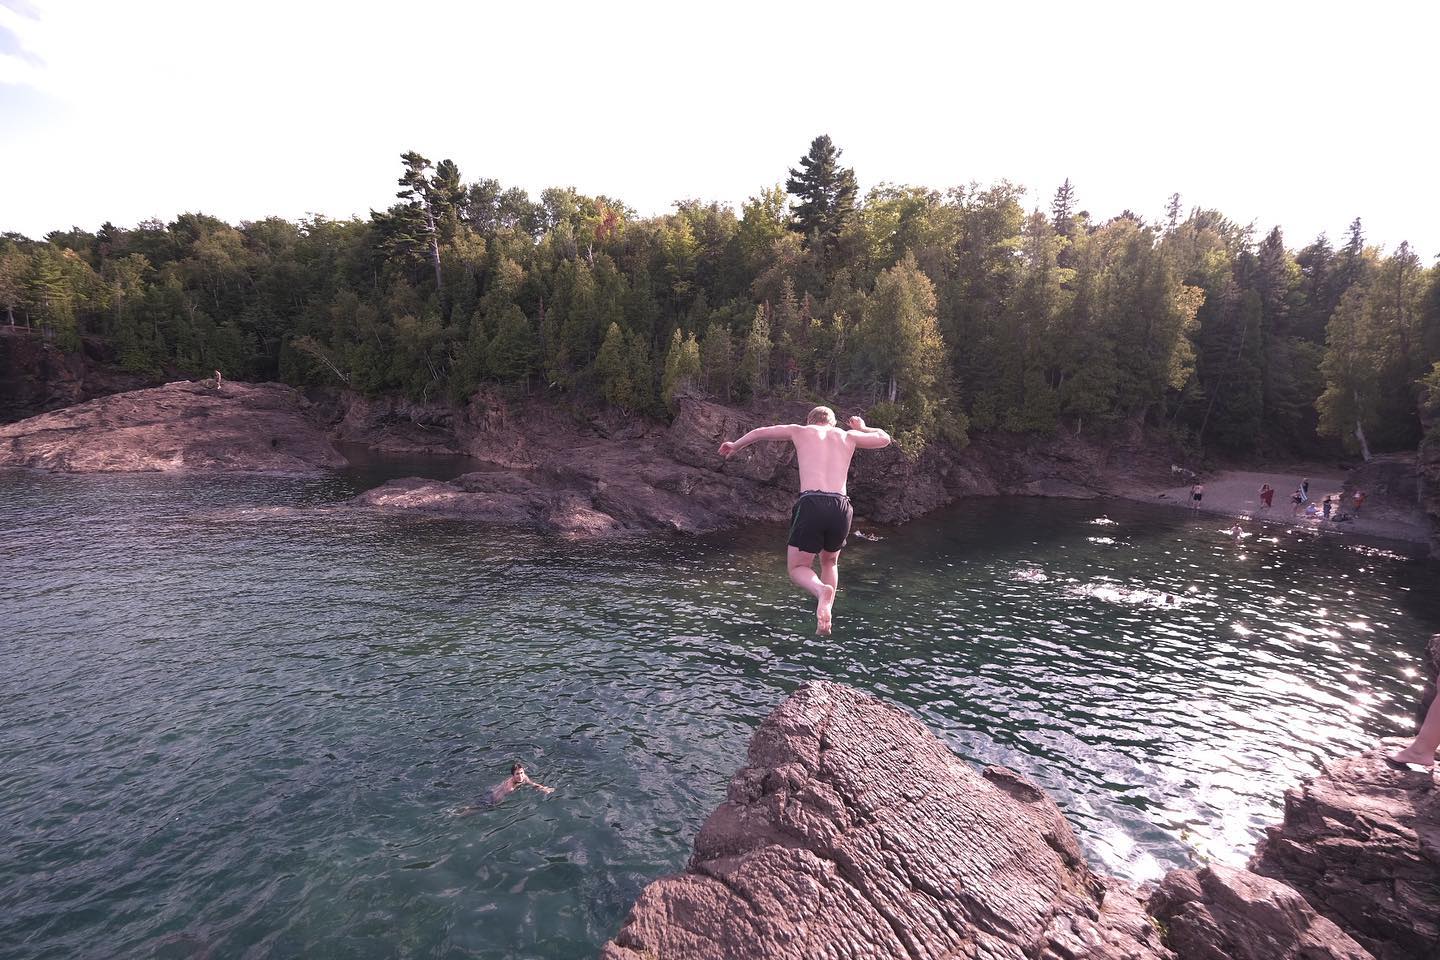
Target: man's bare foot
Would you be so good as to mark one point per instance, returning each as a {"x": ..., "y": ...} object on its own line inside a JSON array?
[
  {"x": 822, "y": 610},
  {"x": 1411, "y": 755}
]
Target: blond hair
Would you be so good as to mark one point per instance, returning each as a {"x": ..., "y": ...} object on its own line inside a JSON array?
[{"x": 821, "y": 415}]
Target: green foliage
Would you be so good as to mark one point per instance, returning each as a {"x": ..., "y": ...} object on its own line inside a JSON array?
[
  {"x": 682, "y": 368},
  {"x": 717, "y": 360},
  {"x": 949, "y": 311},
  {"x": 754, "y": 373},
  {"x": 824, "y": 193},
  {"x": 613, "y": 370}
]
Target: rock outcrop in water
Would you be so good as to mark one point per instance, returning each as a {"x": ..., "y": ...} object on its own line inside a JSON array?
[
  {"x": 1222, "y": 914},
  {"x": 853, "y": 832},
  {"x": 184, "y": 425},
  {"x": 1361, "y": 842}
]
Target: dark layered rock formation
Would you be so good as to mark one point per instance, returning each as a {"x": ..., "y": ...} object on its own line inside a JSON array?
[
  {"x": 180, "y": 426},
  {"x": 853, "y": 832},
  {"x": 1361, "y": 842},
  {"x": 593, "y": 475},
  {"x": 36, "y": 376},
  {"x": 889, "y": 487}
]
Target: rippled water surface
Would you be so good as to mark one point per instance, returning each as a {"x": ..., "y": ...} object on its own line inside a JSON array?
[{"x": 233, "y": 729}]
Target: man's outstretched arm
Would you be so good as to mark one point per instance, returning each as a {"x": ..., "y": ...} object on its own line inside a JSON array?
[
  {"x": 867, "y": 438},
  {"x": 781, "y": 431}
]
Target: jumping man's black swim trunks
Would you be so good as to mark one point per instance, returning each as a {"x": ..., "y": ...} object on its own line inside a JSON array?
[{"x": 820, "y": 521}]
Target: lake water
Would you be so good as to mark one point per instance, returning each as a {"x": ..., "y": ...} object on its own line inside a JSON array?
[{"x": 233, "y": 729}]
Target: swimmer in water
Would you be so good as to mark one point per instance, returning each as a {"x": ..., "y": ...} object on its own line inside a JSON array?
[
  {"x": 503, "y": 789},
  {"x": 820, "y": 521}
]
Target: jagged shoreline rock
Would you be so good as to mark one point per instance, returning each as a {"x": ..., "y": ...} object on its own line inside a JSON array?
[
  {"x": 185, "y": 425},
  {"x": 853, "y": 832},
  {"x": 1361, "y": 841},
  {"x": 1218, "y": 913}
]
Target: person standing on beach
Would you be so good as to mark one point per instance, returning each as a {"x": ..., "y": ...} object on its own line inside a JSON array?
[
  {"x": 1305, "y": 490},
  {"x": 1267, "y": 496},
  {"x": 1197, "y": 493},
  {"x": 1297, "y": 500},
  {"x": 820, "y": 520},
  {"x": 1359, "y": 498},
  {"x": 1328, "y": 507}
]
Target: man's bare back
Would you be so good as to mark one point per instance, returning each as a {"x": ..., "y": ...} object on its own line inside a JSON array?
[{"x": 821, "y": 519}]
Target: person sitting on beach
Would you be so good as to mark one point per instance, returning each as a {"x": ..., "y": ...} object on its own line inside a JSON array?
[
  {"x": 1267, "y": 496},
  {"x": 503, "y": 789},
  {"x": 820, "y": 520},
  {"x": 1312, "y": 511}
]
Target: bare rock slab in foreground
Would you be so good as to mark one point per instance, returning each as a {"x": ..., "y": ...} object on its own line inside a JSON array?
[
  {"x": 854, "y": 832},
  {"x": 1361, "y": 841},
  {"x": 186, "y": 425}
]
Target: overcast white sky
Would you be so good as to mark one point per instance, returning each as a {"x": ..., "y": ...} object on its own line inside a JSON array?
[{"x": 1298, "y": 114}]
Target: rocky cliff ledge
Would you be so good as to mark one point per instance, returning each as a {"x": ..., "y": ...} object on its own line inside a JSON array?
[
  {"x": 184, "y": 425},
  {"x": 37, "y": 376},
  {"x": 584, "y": 476},
  {"x": 853, "y": 832}
]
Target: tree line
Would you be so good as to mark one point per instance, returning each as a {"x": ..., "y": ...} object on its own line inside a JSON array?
[{"x": 940, "y": 312}]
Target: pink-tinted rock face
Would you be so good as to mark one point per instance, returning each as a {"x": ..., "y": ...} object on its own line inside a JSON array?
[
  {"x": 853, "y": 832},
  {"x": 1361, "y": 842},
  {"x": 1222, "y": 914},
  {"x": 180, "y": 426}
]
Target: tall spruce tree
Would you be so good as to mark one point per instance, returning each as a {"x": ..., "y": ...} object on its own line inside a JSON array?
[{"x": 824, "y": 193}]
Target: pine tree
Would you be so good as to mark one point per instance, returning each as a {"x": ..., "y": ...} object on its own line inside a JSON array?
[
  {"x": 1172, "y": 213},
  {"x": 717, "y": 359},
  {"x": 901, "y": 343},
  {"x": 1062, "y": 209},
  {"x": 420, "y": 195},
  {"x": 824, "y": 193},
  {"x": 642, "y": 373},
  {"x": 613, "y": 369},
  {"x": 754, "y": 373},
  {"x": 515, "y": 349},
  {"x": 682, "y": 368}
]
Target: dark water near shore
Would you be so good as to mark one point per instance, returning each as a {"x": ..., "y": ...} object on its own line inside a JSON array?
[{"x": 242, "y": 732}]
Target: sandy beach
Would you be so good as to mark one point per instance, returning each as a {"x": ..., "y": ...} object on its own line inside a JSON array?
[{"x": 1236, "y": 493}]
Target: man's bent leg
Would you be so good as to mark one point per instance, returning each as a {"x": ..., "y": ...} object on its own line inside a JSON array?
[
  {"x": 802, "y": 572},
  {"x": 830, "y": 576}
]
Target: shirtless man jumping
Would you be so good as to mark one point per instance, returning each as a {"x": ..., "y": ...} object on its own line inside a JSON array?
[{"x": 821, "y": 519}]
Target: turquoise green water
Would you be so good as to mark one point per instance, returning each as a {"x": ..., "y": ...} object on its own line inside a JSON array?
[{"x": 238, "y": 730}]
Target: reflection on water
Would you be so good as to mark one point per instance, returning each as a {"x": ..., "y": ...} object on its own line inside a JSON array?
[{"x": 249, "y": 734}]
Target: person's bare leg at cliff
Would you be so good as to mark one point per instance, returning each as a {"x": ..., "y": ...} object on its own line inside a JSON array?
[
  {"x": 1422, "y": 749},
  {"x": 820, "y": 521}
]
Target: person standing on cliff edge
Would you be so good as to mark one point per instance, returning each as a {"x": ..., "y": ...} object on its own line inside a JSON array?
[{"x": 820, "y": 521}]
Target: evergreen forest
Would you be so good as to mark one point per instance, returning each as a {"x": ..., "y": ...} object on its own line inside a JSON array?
[{"x": 940, "y": 313}]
